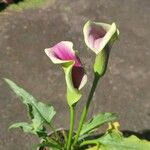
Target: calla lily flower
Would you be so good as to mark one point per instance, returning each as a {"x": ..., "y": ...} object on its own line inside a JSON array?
[
  {"x": 99, "y": 37},
  {"x": 63, "y": 54}
]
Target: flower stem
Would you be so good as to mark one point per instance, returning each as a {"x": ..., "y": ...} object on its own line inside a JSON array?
[
  {"x": 71, "y": 127},
  {"x": 85, "y": 110}
]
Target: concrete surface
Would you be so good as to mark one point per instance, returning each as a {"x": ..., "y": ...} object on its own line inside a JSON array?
[{"x": 125, "y": 87}]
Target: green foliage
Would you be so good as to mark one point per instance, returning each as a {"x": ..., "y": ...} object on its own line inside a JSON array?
[
  {"x": 24, "y": 126},
  {"x": 39, "y": 112},
  {"x": 97, "y": 121},
  {"x": 111, "y": 141},
  {"x": 114, "y": 140}
]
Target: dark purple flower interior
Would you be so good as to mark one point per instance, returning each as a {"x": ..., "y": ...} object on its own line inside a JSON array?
[
  {"x": 77, "y": 75},
  {"x": 96, "y": 33}
]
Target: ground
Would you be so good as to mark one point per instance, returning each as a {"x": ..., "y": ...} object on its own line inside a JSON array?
[{"x": 123, "y": 90}]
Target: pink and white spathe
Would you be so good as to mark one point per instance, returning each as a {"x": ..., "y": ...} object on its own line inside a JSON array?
[
  {"x": 97, "y": 35},
  {"x": 63, "y": 54}
]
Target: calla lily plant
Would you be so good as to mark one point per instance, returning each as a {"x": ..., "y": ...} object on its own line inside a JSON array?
[{"x": 99, "y": 37}]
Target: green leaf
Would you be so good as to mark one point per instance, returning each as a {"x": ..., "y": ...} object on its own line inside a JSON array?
[
  {"x": 37, "y": 121},
  {"x": 36, "y": 127},
  {"x": 24, "y": 126},
  {"x": 97, "y": 121},
  {"x": 93, "y": 148},
  {"x": 29, "y": 128},
  {"x": 45, "y": 112},
  {"x": 114, "y": 140}
]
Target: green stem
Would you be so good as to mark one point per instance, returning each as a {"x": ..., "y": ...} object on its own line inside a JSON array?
[
  {"x": 85, "y": 110},
  {"x": 71, "y": 127}
]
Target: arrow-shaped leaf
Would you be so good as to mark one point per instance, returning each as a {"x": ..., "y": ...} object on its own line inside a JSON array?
[
  {"x": 24, "y": 126},
  {"x": 97, "y": 121},
  {"x": 114, "y": 140},
  {"x": 39, "y": 112}
]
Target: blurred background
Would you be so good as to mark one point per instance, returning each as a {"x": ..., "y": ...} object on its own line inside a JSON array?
[{"x": 28, "y": 27}]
